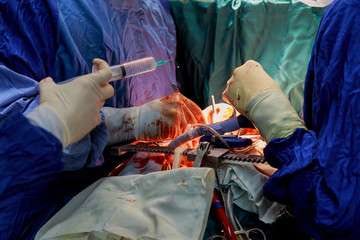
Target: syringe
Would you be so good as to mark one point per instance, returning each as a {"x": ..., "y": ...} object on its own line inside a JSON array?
[
  {"x": 133, "y": 68},
  {"x": 129, "y": 69}
]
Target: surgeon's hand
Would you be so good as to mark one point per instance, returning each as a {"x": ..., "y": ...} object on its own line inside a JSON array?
[
  {"x": 257, "y": 96},
  {"x": 158, "y": 120},
  {"x": 247, "y": 81},
  {"x": 76, "y": 104}
]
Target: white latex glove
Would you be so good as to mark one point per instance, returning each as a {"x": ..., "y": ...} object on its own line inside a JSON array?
[
  {"x": 257, "y": 96},
  {"x": 158, "y": 120},
  {"x": 71, "y": 110}
]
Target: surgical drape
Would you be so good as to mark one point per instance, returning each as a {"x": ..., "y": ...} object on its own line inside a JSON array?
[
  {"x": 118, "y": 31},
  {"x": 214, "y": 37}
]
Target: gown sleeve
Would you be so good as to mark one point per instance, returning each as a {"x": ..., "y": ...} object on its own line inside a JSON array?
[
  {"x": 30, "y": 163},
  {"x": 319, "y": 169}
]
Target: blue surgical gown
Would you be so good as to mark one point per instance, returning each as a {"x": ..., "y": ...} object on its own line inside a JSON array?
[
  {"x": 319, "y": 169},
  {"x": 31, "y": 163},
  {"x": 33, "y": 185},
  {"x": 40, "y": 38},
  {"x": 60, "y": 39}
]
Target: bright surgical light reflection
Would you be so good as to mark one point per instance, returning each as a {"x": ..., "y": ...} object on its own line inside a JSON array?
[{"x": 223, "y": 111}]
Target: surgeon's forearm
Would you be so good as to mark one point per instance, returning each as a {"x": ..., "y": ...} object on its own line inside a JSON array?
[{"x": 273, "y": 115}]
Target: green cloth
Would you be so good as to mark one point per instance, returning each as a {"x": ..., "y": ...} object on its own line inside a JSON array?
[{"x": 215, "y": 37}]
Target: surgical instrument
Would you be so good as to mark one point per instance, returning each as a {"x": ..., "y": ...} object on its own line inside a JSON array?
[
  {"x": 214, "y": 155},
  {"x": 213, "y": 108},
  {"x": 133, "y": 68},
  {"x": 129, "y": 69},
  {"x": 228, "y": 125},
  {"x": 175, "y": 88}
]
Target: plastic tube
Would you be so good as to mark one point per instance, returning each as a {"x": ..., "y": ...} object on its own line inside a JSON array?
[
  {"x": 223, "y": 220},
  {"x": 177, "y": 157},
  {"x": 221, "y": 128},
  {"x": 216, "y": 134}
]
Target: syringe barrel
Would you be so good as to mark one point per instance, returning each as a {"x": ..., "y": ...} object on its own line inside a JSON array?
[{"x": 133, "y": 68}]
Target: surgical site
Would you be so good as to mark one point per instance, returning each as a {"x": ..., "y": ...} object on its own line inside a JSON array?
[{"x": 179, "y": 119}]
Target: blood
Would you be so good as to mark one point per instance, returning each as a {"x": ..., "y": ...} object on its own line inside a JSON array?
[
  {"x": 158, "y": 123},
  {"x": 142, "y": 162},
  {"x": 166, "y": 97},
  {"x": 217, "y": 110},
  {"x": 128, "y": 130},
  {"x": 115, "y": 171},
  {"x": 158, "y": 158}
]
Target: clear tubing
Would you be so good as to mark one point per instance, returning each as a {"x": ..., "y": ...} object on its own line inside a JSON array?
[
  {"x": 207, "y": 127},
  {"x": 193, "y": 133}
]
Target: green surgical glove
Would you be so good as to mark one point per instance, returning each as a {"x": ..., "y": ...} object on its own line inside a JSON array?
[
  {"x": 258, "y": 97},
  {"x": 71, "y": 110}
]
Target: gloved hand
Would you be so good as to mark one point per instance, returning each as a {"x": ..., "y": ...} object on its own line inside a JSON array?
[
  {"x": 258, "y": 97},
  {"x": 72, "y": 109},
  {"x": 158, "y": 120}
]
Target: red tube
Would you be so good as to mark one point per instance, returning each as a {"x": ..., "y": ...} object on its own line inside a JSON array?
[
  {"x": 117, "y": 170},
  {"x": 223, "y": 220}
]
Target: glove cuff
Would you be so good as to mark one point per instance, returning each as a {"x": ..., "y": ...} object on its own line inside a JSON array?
[
  {"x": 273, "y": 115},
  {"x": 121, "y": 124},
  {"x": 148, "y": 122},
  {"x": 46, "y": 118}
]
